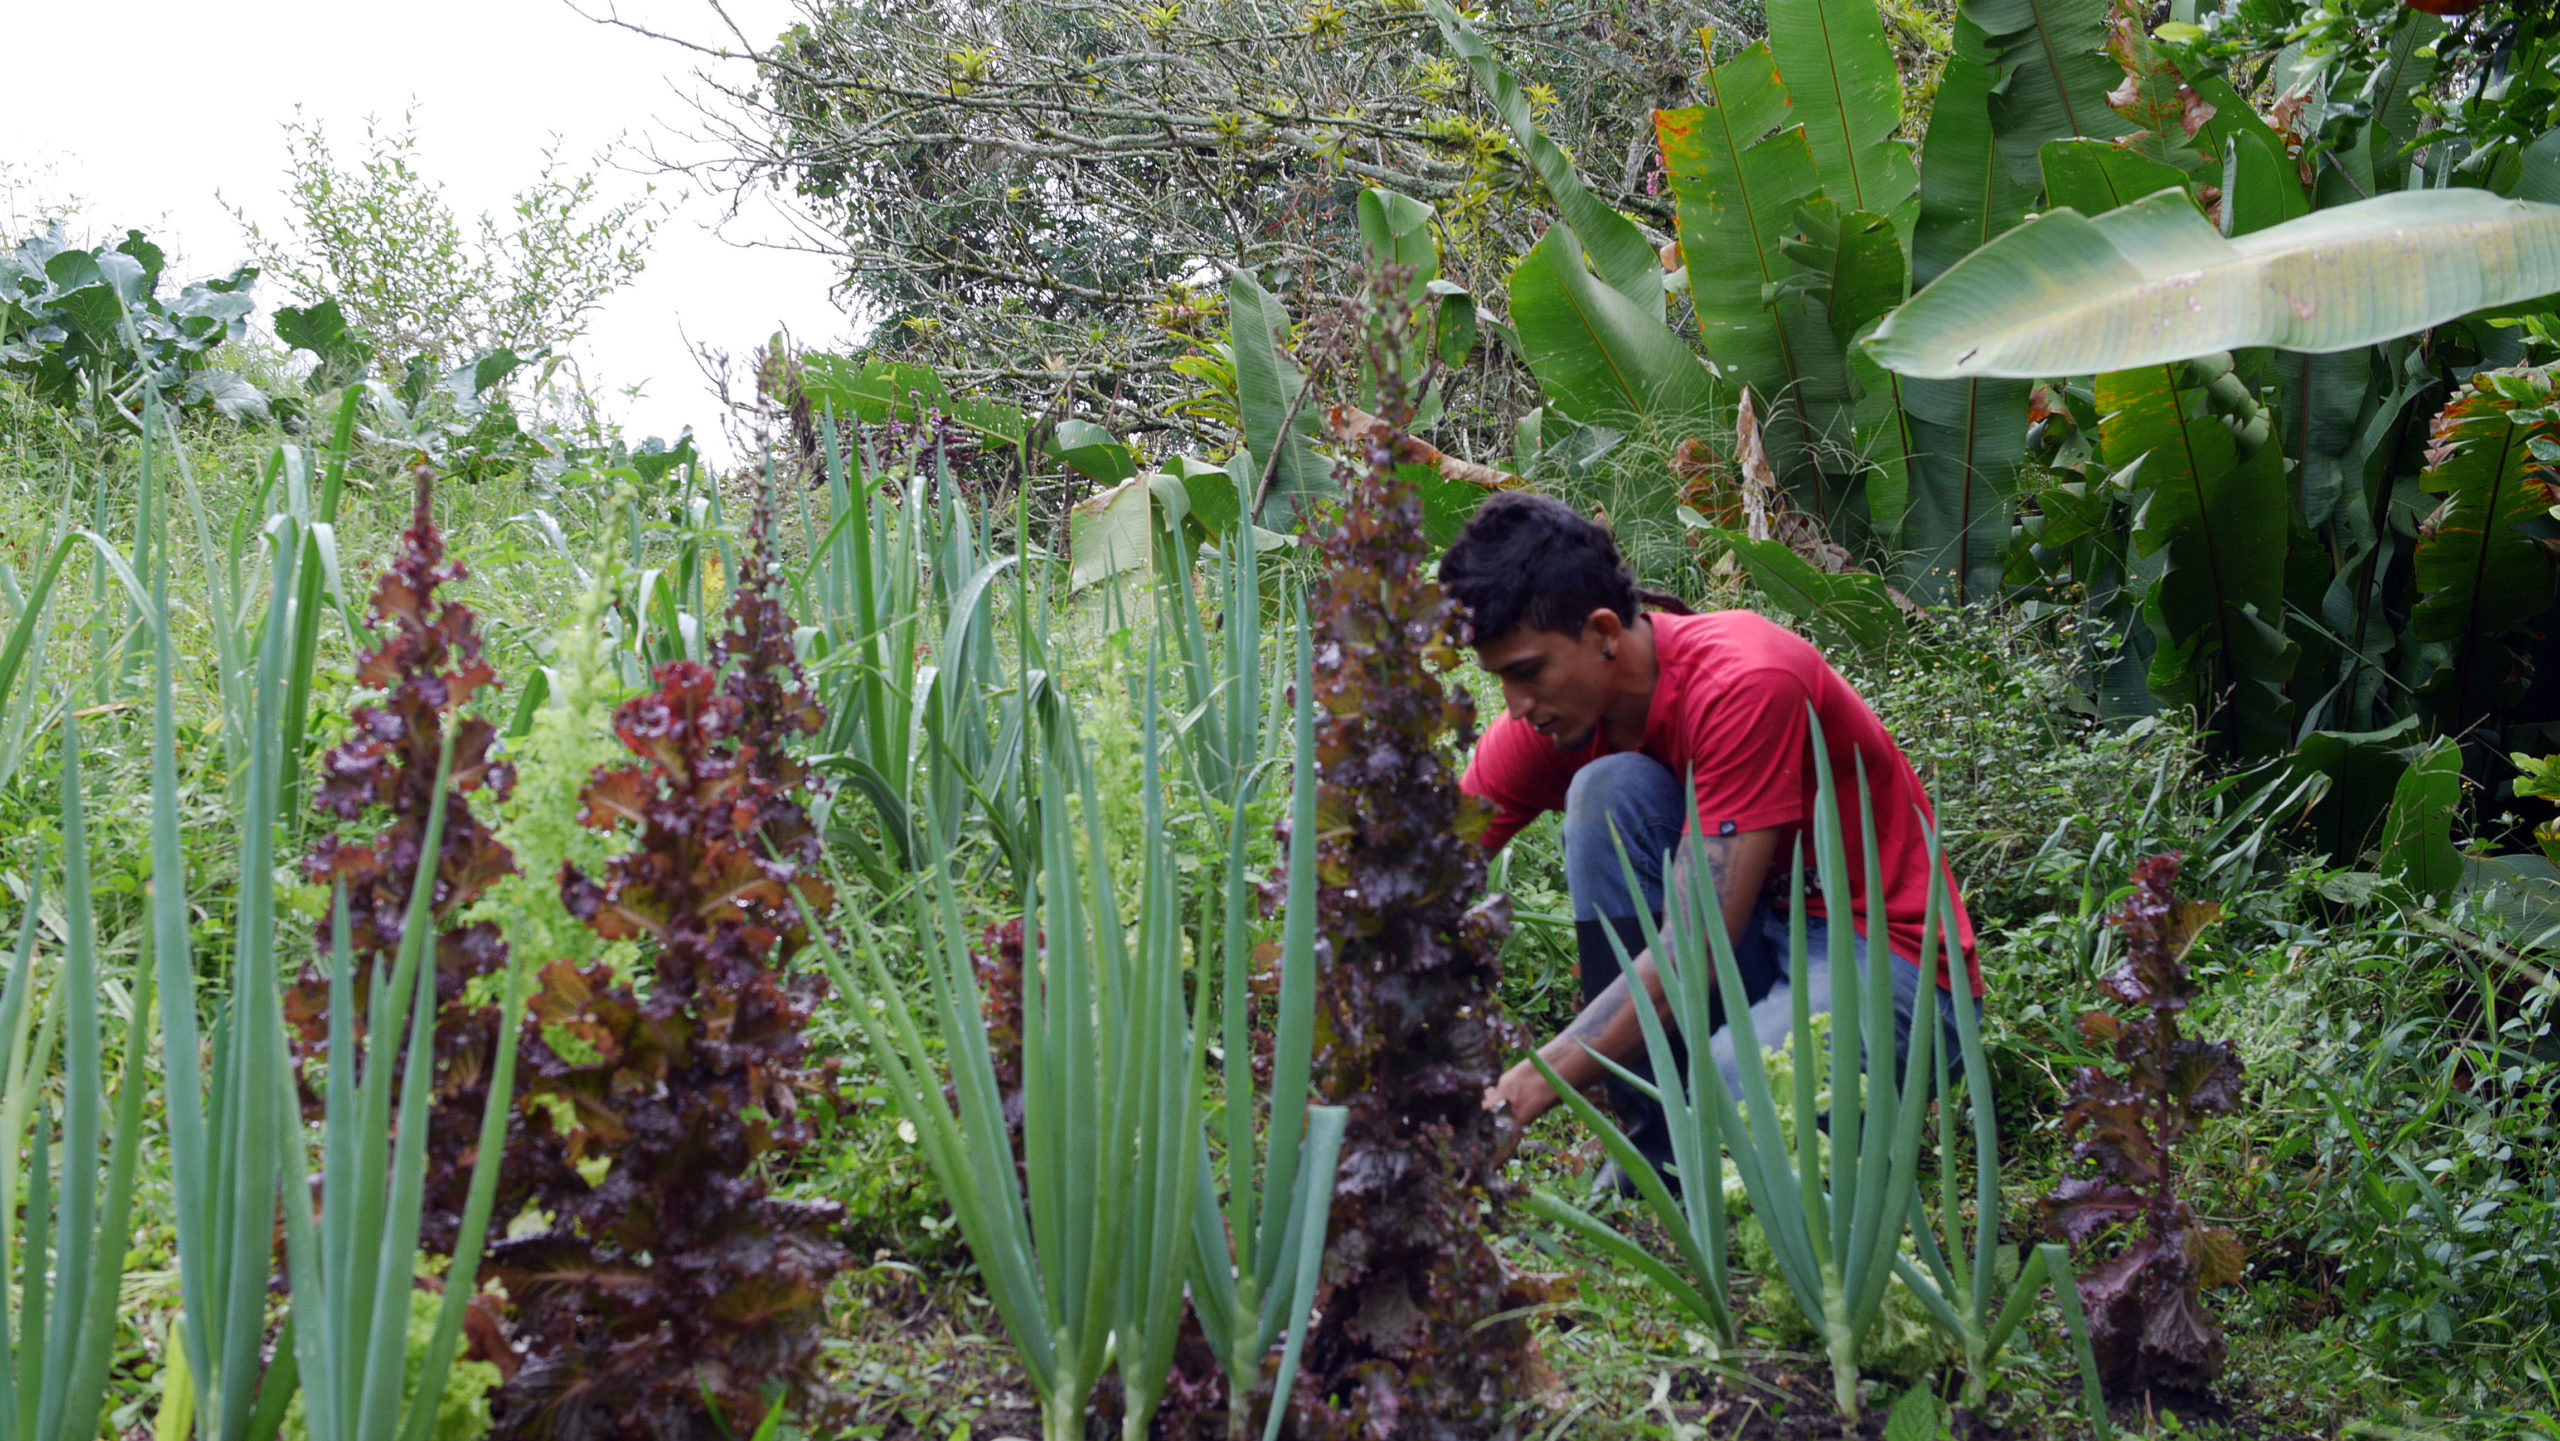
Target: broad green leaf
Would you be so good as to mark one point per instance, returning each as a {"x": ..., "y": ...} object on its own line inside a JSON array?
[
  {"x": 1965, "y": 440},
  {"x": 1739, "y": 168},
  {"x": 1110, "y": 533},
  {"x": 1839, "y": 72},
  {"x": 1619, "y": 252},
  {"x": 2093, "y": 177},
  {"x": 1853, "y": 608},
  {"x": 2404, "y": 75},
  {"x": 1962, "y": 438},
  {"x": 1092, "y": 452},
  {"x": 2322, "y": 401},
  {"x": 1967, "y": 196},
  {"x": 1455, "y": 326},
  {"x": 2363, "y": 768},
  {"x": 880, "y": 391},
  {"x": 322, "y": 330},
  {"x": 2218, "y": 608},
  {"x": 2051, "y": 80},
  {"x": 2153, "y": 283},
  {"x": 2417, "y": 832},
  {"x": 1599, "y": 357},
  {"x": 1271, "y": 395},
  {"x": 1396, "y": 229},
  {"x": 2261, "y": 187},
  {"x": 2483, "y": 570}
]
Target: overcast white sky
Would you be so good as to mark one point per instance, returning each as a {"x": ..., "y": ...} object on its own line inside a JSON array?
[{"x": 146, "y": 109}]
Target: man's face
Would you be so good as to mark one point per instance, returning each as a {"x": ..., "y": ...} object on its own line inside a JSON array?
[{"x": 1559, "y": 685}]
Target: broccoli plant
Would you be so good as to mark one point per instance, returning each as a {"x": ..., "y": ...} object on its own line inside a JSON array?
[
  {"x": 2148, "y": 1322},
  {"x": 1410, "y": 1026},
  {"x": 427, "y": 667},
  {"x": 672, "y": 1291}
]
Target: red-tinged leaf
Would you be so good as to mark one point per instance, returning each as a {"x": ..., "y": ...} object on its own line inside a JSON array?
[
  {"x": 2100, "y": 1029},
  {"x": 2187, "y": 923},
  {"x": 2115, "y": 1134},
  {"x": 1404, "y": 1035},
  {"x": 2082, "y": 1209},
  {"x": 2147, "y": 1319},
  {"x": 425, "y": 663},
  {"x": 617, "y": 797},
  {"x": 2205, "y": 1077}
]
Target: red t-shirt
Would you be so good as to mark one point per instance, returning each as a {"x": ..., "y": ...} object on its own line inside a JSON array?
[{"x": 1729, "y": 705}]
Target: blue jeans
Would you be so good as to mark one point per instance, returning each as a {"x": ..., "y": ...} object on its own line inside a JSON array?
[{"x": 1635, "y": 799}]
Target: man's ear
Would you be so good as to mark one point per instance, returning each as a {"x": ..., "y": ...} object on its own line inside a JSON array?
[{"x": 1603, "y": 627}]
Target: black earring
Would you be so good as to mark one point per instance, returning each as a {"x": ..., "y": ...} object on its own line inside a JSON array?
[{"x": 1610, "y": 654}]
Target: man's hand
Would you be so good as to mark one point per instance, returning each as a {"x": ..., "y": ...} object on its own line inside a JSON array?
[
  {"x": 1522, "y": 1093},
  {"x": 1609, "y": 1025}
]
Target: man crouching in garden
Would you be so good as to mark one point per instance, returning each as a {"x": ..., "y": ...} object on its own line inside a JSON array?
[{"x": 1612, "y": 697}]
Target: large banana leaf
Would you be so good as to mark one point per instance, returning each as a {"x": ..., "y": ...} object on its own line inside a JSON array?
[
  {"x": 1601, "y": 358},
  {"x": 1840, "y": 75},
  {"x": 1739, "y": 168},
  {"x": 2153, "y": 283},
  {"x": 1619, "y": 252},
  {"x": 1967, "y": 196},
  {"x": 2218, "y": 609},
  {"x": 1279, "y": 415},
  {"x": 2483, "y": 569},
  {"x": 2093, "y": 177},
  {"x": 1962, "y": 437},
  {"x": 2052, "y": 82}
]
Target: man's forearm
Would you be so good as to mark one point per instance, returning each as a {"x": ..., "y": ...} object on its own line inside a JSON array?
[{"x": 1609, "y": 1024}]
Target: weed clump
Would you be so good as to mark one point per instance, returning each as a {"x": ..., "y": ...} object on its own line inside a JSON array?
[{"x": 672, "y": 1290}]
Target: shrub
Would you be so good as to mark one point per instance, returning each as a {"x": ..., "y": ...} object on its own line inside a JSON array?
[
  {"x": 672, "y": 1290},
  {"x": 2147, "y": 1318}
]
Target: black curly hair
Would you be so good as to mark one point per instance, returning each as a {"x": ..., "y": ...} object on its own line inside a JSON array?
[{"x": 1530, "y": 560}]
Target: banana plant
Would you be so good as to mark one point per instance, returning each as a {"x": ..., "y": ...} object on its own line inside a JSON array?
[
  {"x": 2153, "y": 282},
  {"x": 69, "y": 1262},
  {"x": 1086, "y": 1254}
]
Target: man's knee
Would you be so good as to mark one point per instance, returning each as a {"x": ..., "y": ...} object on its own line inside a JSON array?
[{"x": 1628, "y": 792}]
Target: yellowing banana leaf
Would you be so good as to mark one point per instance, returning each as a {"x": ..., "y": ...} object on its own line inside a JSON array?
[
  {"x": 1847, "y": 93},
  {"x": 2153, "y": 283}
]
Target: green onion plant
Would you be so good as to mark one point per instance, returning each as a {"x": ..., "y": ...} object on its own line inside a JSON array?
[
  {"x": 352, "y": 1270},
  {"x": 1255, "y": 1274},
  {"x": 1958, "y": 1287},
  {"x": 1086, "y": 1255},
  {"x": 914, "y": 737},
  {"x": 1834, "y": 1214}
]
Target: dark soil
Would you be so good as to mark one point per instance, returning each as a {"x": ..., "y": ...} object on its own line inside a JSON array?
[{"x": 1770, "y": 1400}]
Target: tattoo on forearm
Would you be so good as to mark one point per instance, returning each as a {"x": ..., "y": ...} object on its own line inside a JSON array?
[
  {"x": 1596, "y": 1017},
  {"x": 1716, "y": 854}
]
